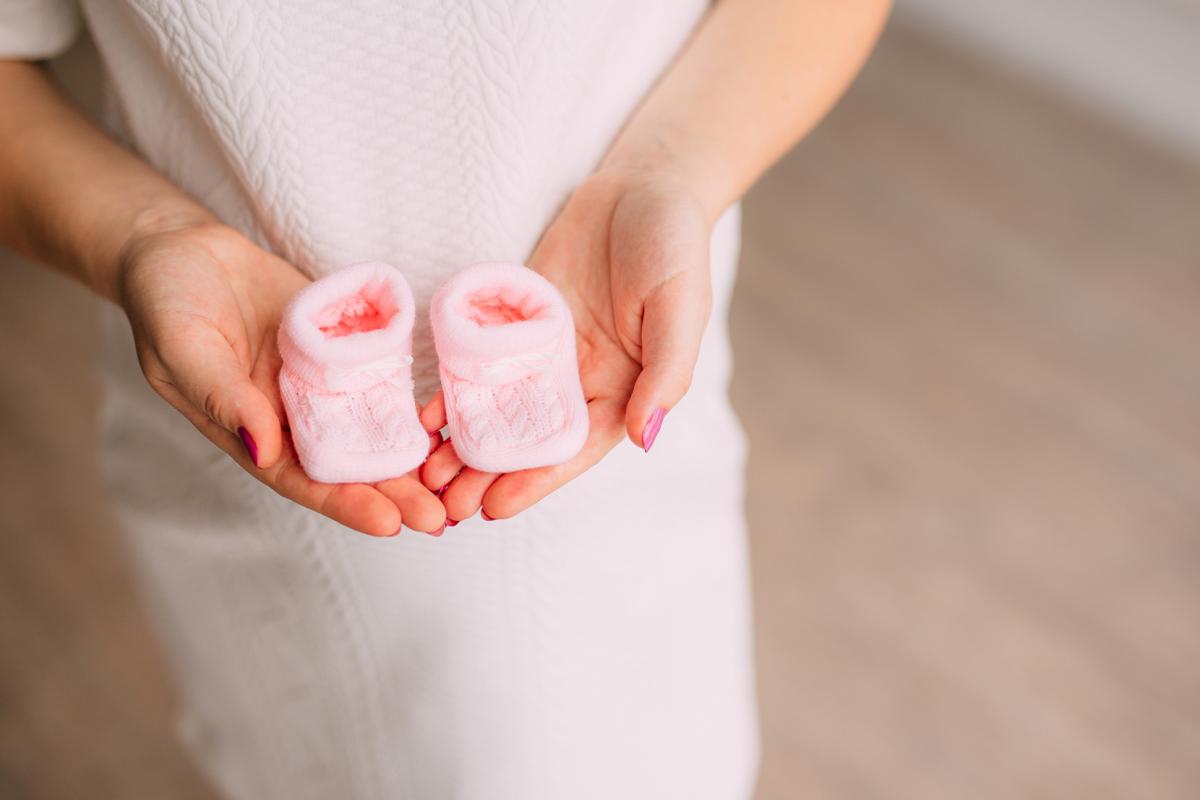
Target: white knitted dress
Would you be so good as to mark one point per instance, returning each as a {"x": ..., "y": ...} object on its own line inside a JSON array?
[{"x": 596, "y": 646}]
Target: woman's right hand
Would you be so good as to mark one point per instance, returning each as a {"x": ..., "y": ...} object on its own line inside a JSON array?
[{"x": 205, "y": 304}]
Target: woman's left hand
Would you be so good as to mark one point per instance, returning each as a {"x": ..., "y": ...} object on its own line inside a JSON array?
[{"x": 629, "y": 252}]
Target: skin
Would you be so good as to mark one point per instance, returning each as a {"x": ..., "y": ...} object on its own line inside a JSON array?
[{"x": 629, "y": 251}]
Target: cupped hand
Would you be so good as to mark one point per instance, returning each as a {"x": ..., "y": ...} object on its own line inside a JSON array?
[
  {"x": 205, "y": 304},
  {"x": 629, "y": 252}
]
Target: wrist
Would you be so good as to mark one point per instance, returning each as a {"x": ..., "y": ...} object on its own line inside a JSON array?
[
  {"x": 143, "y": 228},
  {"x": 667, "y": 157}
]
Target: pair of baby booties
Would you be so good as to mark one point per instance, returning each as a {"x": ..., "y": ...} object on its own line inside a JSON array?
[{"x": 505, "y": 343}]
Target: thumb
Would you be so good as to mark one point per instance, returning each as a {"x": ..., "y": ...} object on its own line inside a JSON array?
[
  {"x": 673, "y": 320},
  {"x": 215, "y": 393}
]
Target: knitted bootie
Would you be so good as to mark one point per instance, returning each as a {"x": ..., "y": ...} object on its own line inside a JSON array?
[
  {"x": 506, "y": 351},
  {"x": 346, "y": 381}
]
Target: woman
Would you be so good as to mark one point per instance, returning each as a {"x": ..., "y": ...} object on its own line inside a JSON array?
[{"x": 571, "y": 640}]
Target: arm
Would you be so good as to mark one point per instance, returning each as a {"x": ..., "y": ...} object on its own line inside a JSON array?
[
  {"x": 755, "y": 79},
  {"x": 71, "y": 197},
  {"x": 630, "y": 249},
  {"x": 203, "y": 302}
]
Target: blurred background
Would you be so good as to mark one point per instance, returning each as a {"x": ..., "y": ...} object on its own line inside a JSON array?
[{"x": 968, "y": 339}]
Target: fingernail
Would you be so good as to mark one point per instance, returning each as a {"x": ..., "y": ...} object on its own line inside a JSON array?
[
  {"x": 483, "y": 514},
  {"x": 251, "y": 447},
  {"x": 450, "y": 523},
  {"x": 438, "y": 532},
  {"x": 653, "y": 426},
  {"x": 441, "y": 491}
]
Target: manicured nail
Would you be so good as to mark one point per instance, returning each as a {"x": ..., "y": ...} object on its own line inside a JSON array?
[
  {"x": 450, "y": 523},
  {"x": 438, "y": 532},
  {"x": 653, "y": 426},
  {"x": 483, "y": 514},
  {"x": 251, "y": 447}
]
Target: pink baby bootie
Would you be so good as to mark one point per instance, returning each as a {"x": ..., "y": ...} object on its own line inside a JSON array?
[
  {"x": 346, "y": 381},
  {"x": 506, "y": 350}
]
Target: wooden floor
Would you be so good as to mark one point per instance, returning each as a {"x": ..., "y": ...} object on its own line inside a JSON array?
[{"x": 968, "y": 337}]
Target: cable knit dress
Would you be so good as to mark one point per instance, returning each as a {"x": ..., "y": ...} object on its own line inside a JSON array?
[{"x": 596, "y": 646}]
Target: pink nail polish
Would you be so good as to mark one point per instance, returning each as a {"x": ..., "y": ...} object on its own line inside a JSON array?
[
  {"x": 251, "y": 447},
  {"x": 484, "y": 514},
  {"x": 653, "y": 426},
  {"x": 450, "y": 523}
]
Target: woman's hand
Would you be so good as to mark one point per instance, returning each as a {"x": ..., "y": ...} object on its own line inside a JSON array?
[
  {"x": 629, "y": 251},
  {"x": 630, "y": 254},
  {"x": 205, "y": 304}
]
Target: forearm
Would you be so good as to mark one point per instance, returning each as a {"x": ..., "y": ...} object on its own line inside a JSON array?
[
  {"x": 70, "y": 196},
  {"x": 755, "y": 78}
]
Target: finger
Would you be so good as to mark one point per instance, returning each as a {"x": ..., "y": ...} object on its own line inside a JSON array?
[
  {"x": 419, "y": 508},
  {"x": 356, "y": 506},
  {"x": 433, "y": 415},
  {"x": 464, "y": 494},
  {"x": 673, "y": 320},
  {"x": 204, "y": 369},
  {"x": 514, "y": 492},
  {"x": 441, "y": 467}
]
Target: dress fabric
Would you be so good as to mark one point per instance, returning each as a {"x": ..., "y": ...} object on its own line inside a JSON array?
[{"x": 598, "y": 645}]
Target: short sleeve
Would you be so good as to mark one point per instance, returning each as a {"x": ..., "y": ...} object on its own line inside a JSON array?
[{"x": 32, "y": 30}]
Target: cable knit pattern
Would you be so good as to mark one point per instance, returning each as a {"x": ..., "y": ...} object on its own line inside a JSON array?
[
  {"x": 204, "y": 43},
  {"x": 366, "y": 422},
  {"x": 594, "y": 647},
  {"x": 517, "y": 414}
]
